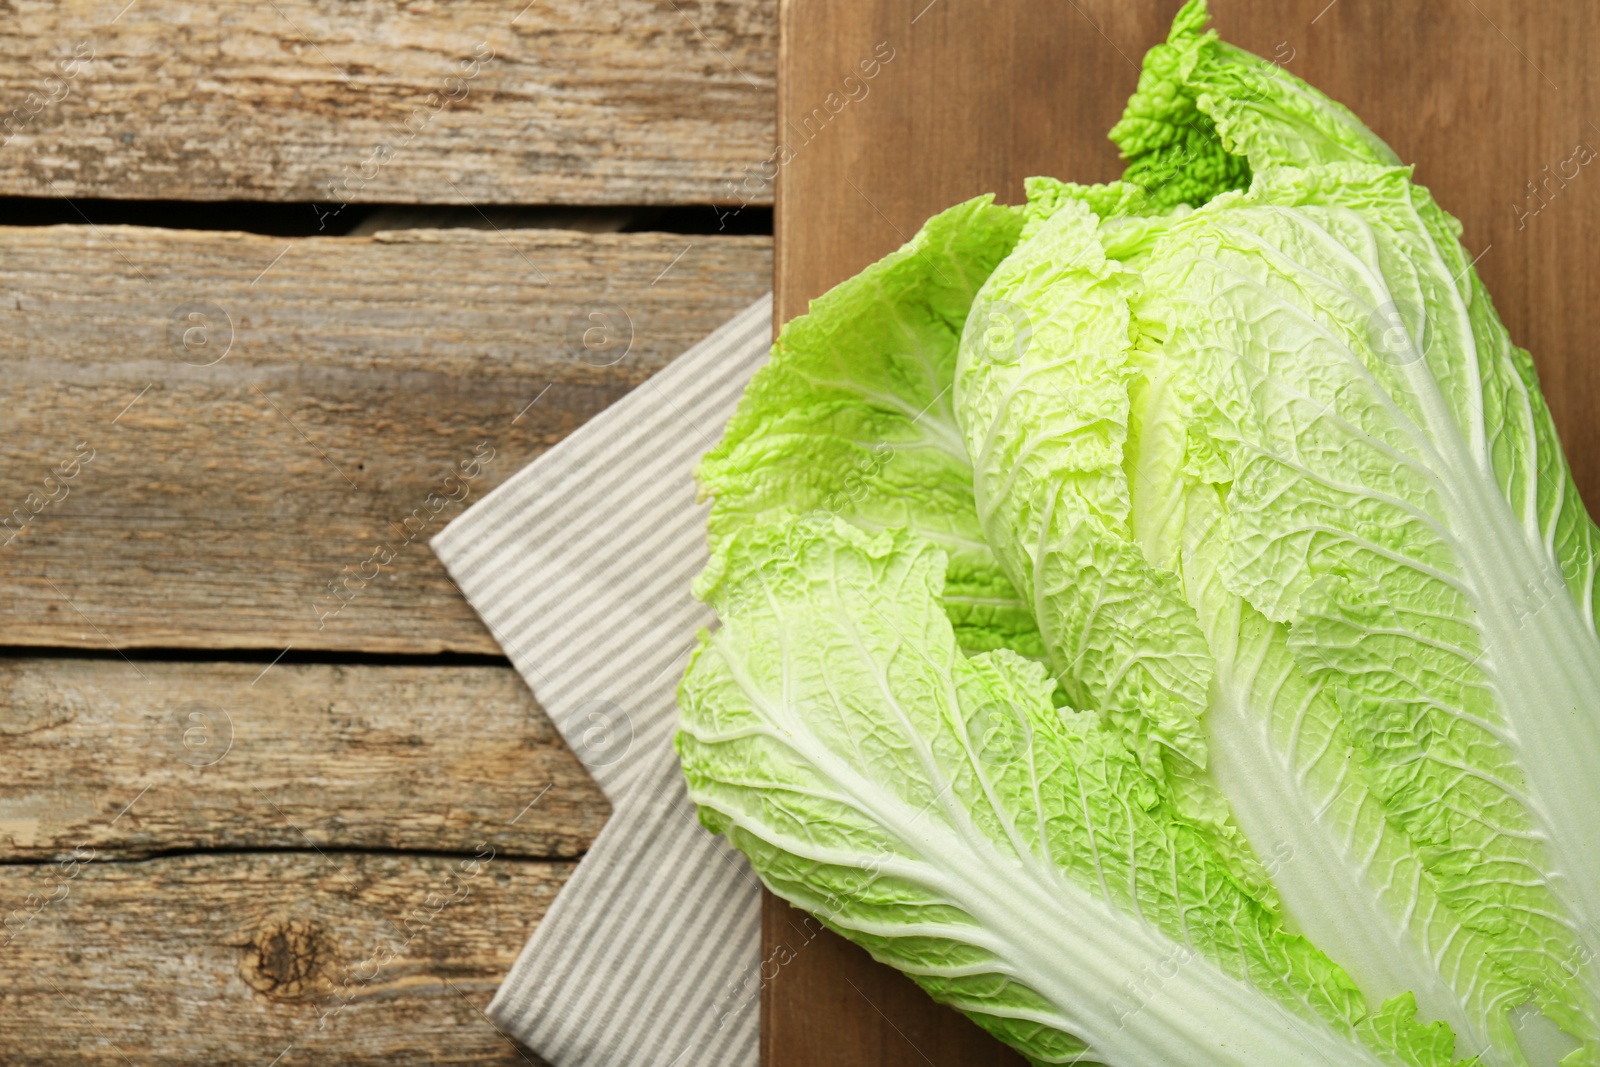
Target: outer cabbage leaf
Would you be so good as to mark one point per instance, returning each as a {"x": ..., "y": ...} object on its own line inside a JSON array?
[
  {"x": 1395, "y": 494},
  {"x": 1089, "y": 424},
  {"x": 1348, "y": 875},
  {"x": 853, "y": 416},
  {"x": 1013, "y": 859}
]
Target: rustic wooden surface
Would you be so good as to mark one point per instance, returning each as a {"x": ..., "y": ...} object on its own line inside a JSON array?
[
  {"x": 237, "y": 958},
  {"x": 1481, "y": 95},
  {"x": 476, "y": 101},
  {"x": 213, "y": 862},
  {"x": 356, "y": 376},
  {"x": 209, "y": 854},
  {"x": 135, "y": 758},
  {"x": 222, "y": 501}
]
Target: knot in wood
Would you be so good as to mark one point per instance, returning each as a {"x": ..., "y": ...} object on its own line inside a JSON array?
[{"x": 288, "y": 959}]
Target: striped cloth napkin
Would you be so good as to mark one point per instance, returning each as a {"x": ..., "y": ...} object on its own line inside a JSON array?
[{"x": 581, "y": 564}]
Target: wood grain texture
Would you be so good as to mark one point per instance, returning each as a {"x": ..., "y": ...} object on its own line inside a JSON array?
[
  {"x": 284, "y": 494},
  {"x": 337, "y": 959},
  {"x": 212, "y": 862},
  {"x": 1481, "y": 96},
  {"x": 137, "y": 758},
  {"x": 477, "y": 101}
]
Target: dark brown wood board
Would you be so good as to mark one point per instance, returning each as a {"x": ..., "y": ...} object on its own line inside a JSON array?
[{"x": 1494, "y": 102}]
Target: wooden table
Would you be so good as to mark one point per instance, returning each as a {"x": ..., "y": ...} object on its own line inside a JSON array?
[
  {"x": 1482, "y": 95},
  {"x": 243, "y": 774}
]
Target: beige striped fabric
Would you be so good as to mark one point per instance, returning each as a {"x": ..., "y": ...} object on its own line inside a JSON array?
[{"x": 580, "y": 565}]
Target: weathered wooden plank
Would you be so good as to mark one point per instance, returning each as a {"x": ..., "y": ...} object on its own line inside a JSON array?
[
  {"x": 226, "y": 440},
  {"x": 641, "y": 101},
  {"x": 239, "y": 958},
  {"x": 134, "y": 758},
  {"x": 1492, "y": 101}
]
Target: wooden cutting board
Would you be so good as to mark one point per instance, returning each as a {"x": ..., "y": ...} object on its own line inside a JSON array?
[{"x": 891, "y": 110}]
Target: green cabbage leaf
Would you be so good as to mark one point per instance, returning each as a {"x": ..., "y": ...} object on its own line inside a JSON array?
[
  {"x": 1011, "y": 857},
  {"x": 854, "y": 416}
]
